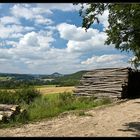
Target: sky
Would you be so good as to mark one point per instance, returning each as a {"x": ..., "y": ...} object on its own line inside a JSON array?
[{"x": 43, "y": 38}]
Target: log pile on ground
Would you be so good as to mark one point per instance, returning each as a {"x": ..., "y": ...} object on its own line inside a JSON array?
[
  {"x": 8, "y": 111},
  {"x": 107, "y": 82}
]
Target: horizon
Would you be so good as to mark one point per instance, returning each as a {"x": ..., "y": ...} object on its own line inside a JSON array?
[
  {"x": 47, "y": 38},
  {"x": 66, "y": 73}
]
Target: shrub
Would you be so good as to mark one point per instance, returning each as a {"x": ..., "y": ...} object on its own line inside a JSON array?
[{"x": 26, "y": 94}]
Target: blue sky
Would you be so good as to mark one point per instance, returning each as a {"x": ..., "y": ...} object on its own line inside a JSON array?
[{"x": 46, "y": 38}]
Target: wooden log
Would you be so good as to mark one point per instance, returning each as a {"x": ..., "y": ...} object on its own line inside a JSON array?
[
  {"x": 116, "y": 79},
  {"x": 7, "y": 114},
  {"x": 105, "y": 83},
  {"x": 105, "y": 79},
  {"x": 4, "y": 107},
  {"x": 102, "y": 82},
  {"x": 101, "y": 88},
  {"x": 96, "y": 91},
  {"x": 110, "y": 70},
  {"x": 105, "y": 76},
  {"x": 8, "y": 111},
  {"x": 2, "y": 117}
]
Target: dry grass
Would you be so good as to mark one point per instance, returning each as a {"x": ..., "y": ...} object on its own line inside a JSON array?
[{"x": 51, "y": 90}]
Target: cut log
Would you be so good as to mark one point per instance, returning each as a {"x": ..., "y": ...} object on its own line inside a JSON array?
[
  {"x": 8, "y": 111},
  {"x": 112, "y": 82},
  {"x": 4, "y": 107}
]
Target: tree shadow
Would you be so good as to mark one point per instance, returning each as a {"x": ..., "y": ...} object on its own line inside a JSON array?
[{"x": 133, "y": 127}]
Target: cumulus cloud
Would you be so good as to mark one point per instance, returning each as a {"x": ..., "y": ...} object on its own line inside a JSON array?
[
  {"x": 71, "y": 32},
  {"x": 19, "y": 10},
  {"x": 41, "y": 38},
  {"x": 13, "y": 31},
  {"x": 107, "y": 60},
  {"x": 104, "y": 18},
  {"x": 79, "y": 40},
  {"x": 41, "y": 20},
  {"x": 29, "y": 49},
  {"x": 103, "y": 59},
  {"x": 7, "y": 43},
  {"x": 9, "y": 20},
  {"x": 59, "y": 6},
  {"x": 4, "y": 54},
  {"x": 31, "y": 13}
]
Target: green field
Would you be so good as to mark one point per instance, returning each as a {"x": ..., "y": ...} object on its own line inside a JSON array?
[{"x": 39, "y": 106}]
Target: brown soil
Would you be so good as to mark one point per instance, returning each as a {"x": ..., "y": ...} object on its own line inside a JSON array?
[{"x": 121, "y": 119}]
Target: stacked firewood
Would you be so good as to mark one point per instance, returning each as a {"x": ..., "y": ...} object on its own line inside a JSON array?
[
  {"x": 9, "y": 111},
  {"x": 109, "y": 82}
]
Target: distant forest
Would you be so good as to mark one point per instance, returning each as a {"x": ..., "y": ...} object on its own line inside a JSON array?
[{"x": 11, "y": 81}]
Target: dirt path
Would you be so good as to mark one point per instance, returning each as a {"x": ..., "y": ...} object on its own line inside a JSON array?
[{"x": 118, "y": 120}]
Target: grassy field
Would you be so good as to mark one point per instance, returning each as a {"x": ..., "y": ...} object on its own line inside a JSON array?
[
  {"x": 47, "y": 102},
  {"x": 54, "y": 89},
  {"x": 50, "y": 89}
]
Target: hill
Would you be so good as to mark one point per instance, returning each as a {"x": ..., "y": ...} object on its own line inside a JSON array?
[
  {"x": 69, "y": 79},
  {"x": 9, "y": 80}
]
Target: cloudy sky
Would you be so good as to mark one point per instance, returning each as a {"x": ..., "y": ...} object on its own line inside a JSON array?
[{"x": 46, "y": 38}]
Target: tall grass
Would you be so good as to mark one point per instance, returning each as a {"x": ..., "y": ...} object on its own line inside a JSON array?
[
  {"x": 54, "y": 104},
  {"x": 50, "y": 105}
]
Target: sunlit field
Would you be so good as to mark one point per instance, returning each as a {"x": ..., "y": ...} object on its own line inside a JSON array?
[{"x": 54, "y": 89}]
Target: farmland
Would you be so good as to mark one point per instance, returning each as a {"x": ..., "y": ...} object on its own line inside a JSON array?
[
  {"x": 43, "y": 99},
  {"x": 54, "y": 89}
]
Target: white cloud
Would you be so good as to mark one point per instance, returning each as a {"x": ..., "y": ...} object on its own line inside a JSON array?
[
  {"x": 40, "y": 10},
  {"x": 30, "y": 39},
  {"x": 59, "y": 6},
  {"x": 8, "y": 43},
  {"x": 13, "y": 31},
  {"x": 9, "y": 20},
  {"x": 104, "y": 61},
  {"x": 32, "y": 52},
  {"x": 71, "y": 32},
  {"x": 81, "y": 41},
  {"x": 4, "y": 54},
  {"x": 19, "y": 10},
  {"x": 31, "y": 13},
  {"x": 33, "y": 39},
  {"x": 41, "y": 20},
  {"x": 104, "y": 18},
  {"x": 33, "y": 45}
]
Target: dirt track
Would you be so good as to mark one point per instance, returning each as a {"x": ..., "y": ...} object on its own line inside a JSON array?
[{"x": 118, "y": 120}]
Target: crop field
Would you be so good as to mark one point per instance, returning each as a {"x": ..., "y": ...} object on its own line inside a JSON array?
[{"x": 53, "y": 89}]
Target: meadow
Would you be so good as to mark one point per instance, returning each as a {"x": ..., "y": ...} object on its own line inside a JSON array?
[
  {"x": 51, "y": 89},
  {"x": 40, "y": 103}
]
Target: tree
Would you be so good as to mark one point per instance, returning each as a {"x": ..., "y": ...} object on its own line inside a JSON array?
[{"x": 124, "y": 25}]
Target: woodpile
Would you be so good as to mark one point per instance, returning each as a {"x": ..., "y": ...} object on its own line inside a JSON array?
[
  {"x": 107, "y": 82},
  {"x": 8, "y": 111}
]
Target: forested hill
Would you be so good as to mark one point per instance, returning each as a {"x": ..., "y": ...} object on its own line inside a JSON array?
[
  {"x": 70, "y": 79},
  {"x": 9, "y": 80}
]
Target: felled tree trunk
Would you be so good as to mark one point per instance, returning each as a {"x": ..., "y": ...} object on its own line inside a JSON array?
[{"x": 8, "y": 111}]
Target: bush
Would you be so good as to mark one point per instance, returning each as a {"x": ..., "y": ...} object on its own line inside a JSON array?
[{"x": 26, "y": 94}]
